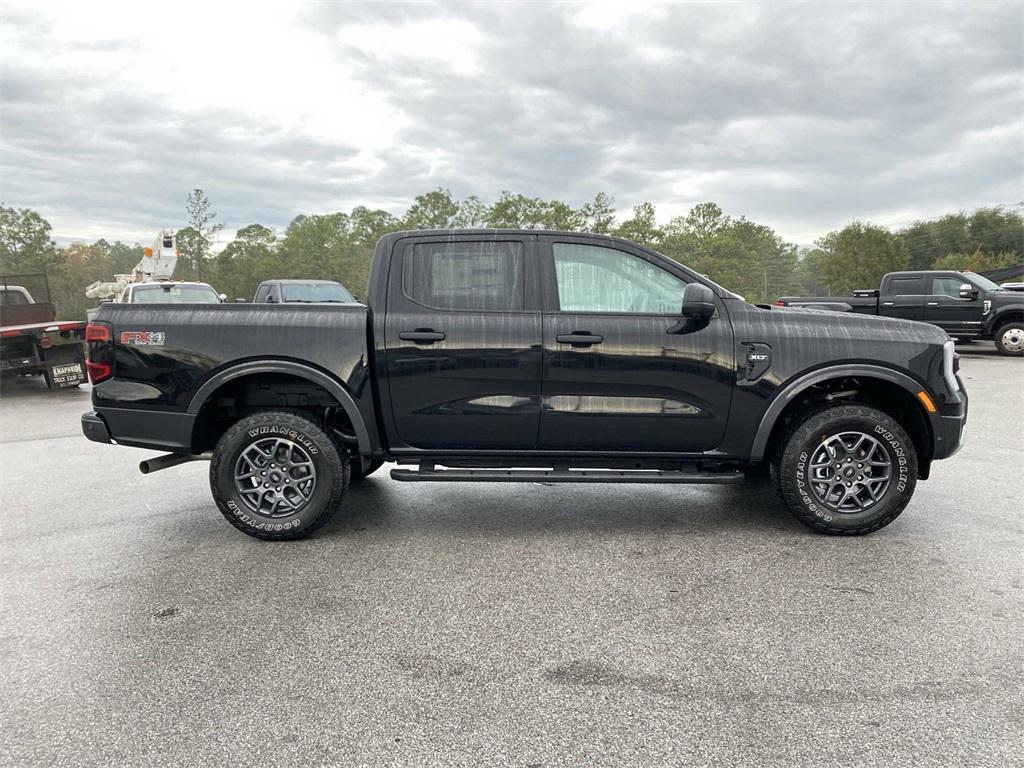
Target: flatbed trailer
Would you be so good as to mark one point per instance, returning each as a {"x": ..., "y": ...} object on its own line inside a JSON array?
[{"x": 33, "y": 342}]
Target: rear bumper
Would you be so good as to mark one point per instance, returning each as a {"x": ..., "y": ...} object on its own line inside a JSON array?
[
  {"x": 159, "y": 430},
  {"x": 94, "y": 428}
]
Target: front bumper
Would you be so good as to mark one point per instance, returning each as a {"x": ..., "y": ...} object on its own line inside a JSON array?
[{"x": 949, "y": 431}]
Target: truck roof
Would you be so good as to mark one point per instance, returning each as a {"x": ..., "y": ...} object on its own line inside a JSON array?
[{"x": 303, "y": 281}]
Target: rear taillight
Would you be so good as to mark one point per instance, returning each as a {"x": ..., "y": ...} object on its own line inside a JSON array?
[
  {"x": 780, "y": 303},
  {"x": 99, "y": 362},
  {"x": 97, "y": 331}
]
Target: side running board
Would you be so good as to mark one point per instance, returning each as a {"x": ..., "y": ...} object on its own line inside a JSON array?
[{"x": 430, "y": 475}]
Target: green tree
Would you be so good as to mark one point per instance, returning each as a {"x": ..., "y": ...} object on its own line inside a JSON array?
[
  {"x": 25, "y": 243},
  {"x": 472, "y": 214},
  {"x": 642, "y": 227},
  {"x": 515, "y": 212},
  {"x": 203, "y": 223},
  {"x": 979, "y": 261},
  {"x": 858, "y": 255},
  {"x": 434, "y": 210},
  {"x": 191, "y": 246},
  {"x": 82, "y": 264},
  {"x": 808, "y": 272},
  {"x": 598, "y": 216},
  {"x": 555, "y": 214},
  {"x": 743, "y": 256},
  {"x": 123, "y": 257},
  {"x": 241, "y": 266}
]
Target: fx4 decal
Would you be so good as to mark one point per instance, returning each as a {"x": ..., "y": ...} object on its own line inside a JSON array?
[{"x": 142, "y": 338}]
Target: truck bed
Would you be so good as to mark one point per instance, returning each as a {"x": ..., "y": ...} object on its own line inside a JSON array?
[
  {"x": 165, "y": 354},
  {"x": 865, "y": 305}
]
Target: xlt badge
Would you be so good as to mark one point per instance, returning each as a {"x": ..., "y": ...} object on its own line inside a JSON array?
[{"x": 759, "y": 360}]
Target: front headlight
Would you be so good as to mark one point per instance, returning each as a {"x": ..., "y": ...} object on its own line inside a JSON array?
[{"x": 948, "y": 372}]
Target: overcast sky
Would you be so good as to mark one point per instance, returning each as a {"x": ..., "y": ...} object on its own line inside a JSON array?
[{"x": 798, "y": 116}]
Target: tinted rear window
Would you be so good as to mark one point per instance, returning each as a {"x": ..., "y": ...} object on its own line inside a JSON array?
[
  {"x": 907, "y": 286},
  {"x": 465, "y": 276}
]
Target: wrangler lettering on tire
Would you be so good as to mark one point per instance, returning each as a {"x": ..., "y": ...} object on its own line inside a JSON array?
[
  {"x": 845, "y": 470},
  {"x": 278, "y": 475}
]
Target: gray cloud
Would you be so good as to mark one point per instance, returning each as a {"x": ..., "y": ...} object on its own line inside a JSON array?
[{"x": 800, "y": 116}]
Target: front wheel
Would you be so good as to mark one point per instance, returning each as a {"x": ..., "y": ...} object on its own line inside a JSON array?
[
  {"x": 1010, "y": 339},
  {"x": 846, "y": 470},
  {"x": 278, "y": 475}
]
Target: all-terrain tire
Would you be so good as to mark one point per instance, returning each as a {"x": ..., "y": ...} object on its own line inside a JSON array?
[
  {"x": 305, "y": 472},
  {"x": 1009, "y": 339},
  {"x": 356, "y": 468},
  {"x": 828, "y": 432}
]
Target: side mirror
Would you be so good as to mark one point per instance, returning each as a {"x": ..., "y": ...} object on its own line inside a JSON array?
[
  {"x": 223, "y": 296},
  {"x": 698, "y": 301},
  {"x": 968, "y": 291}
]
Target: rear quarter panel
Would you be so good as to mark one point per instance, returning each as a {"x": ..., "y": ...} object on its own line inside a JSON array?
[{"x": 189, "y": 344}]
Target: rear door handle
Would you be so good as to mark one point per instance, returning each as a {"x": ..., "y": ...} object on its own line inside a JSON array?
[
  {"x": 887, "y": 303},
  {"x": 932, "y": 304},
  {"x": 421, "y": 336},
  {"x": 579, "y": 338}
]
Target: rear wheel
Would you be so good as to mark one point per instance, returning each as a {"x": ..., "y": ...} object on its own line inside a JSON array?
[
  {"x": 846, "y": 470},
  {"x": 1010, "y": 339},
  {"x": 278, "y": 475}
]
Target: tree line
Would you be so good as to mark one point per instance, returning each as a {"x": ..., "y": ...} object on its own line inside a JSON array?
[{"x": 745, "y": 256}]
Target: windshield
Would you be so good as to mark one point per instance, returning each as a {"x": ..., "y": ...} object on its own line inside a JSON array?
[
  {"x": 315, "y": 292},
  {"x": 983, "y": 282},
  {"x": 175, "y": 294}
]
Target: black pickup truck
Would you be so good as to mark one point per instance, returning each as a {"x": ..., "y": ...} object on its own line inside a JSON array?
[
  {"x": 963, "y": 304},
  {"x": 512, "y": 356}
]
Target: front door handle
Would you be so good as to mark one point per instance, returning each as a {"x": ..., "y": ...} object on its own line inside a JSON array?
[
  {"x": 932, "y": 304},
  {"x": 579, "y": 338},
  {"x": 888, "y": 303},
  {"x": 421, "y": 336}
]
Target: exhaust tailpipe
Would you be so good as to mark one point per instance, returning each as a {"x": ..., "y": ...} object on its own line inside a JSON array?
[{"x": 169, "y": 460}]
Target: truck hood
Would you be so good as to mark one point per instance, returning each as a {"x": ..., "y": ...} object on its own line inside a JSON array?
[{"x": 846, "y": 324}]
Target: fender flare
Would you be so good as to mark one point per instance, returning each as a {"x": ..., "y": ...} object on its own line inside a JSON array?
[
  {"x": 796, "y": 387},
  {"x": 314, "y": 375},
  {"x": 992, "y": 324}
]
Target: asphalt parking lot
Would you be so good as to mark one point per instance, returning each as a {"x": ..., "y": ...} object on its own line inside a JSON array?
[{"x": 507, "y": 625}]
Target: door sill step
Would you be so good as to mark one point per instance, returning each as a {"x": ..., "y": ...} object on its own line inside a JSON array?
[{"x": 563, "y": 476}]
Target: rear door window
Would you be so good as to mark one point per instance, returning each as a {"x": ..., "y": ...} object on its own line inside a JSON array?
[
  {"x": 907, "y": 286},
  {"x": 466, "y": 276}
]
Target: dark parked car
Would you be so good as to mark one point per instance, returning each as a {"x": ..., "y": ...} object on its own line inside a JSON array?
[
  {"x": 512, "y": 356},
  {"x": 965, "y": 305},
  {"x": 302, "y": 292}
]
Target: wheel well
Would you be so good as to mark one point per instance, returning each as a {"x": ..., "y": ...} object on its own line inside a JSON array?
[
  {"x": 240, "y": 397},
  {"x": 1009, "y": 317},
  {"x": 886, "y": 396}
]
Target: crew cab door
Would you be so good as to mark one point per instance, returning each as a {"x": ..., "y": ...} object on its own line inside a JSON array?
[
  {"x": 462, "y": 343},
  {"x": 944, "y": 307},
  {"x": 619, "y": 372},
  {"x": 903, "y": 296}
]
